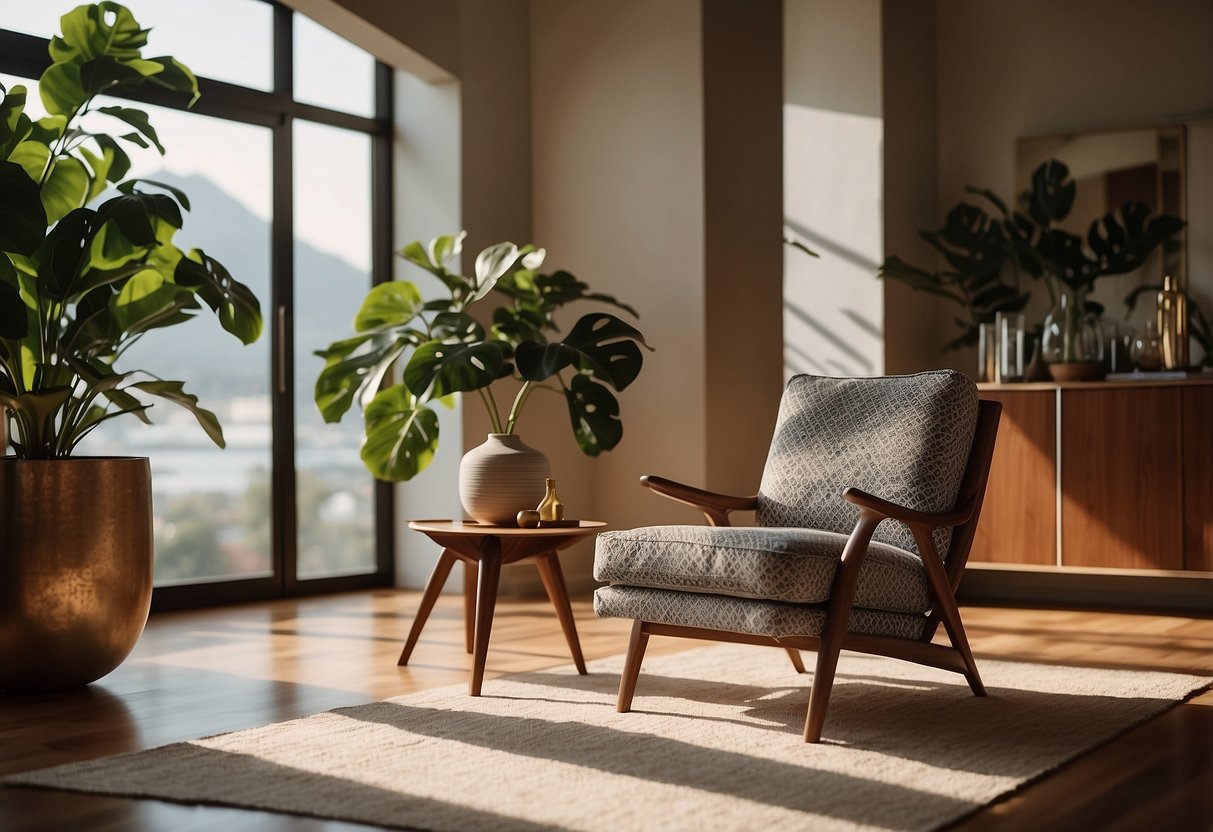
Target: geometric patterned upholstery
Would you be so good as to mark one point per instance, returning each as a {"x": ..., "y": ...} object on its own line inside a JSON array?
[
  {"x": 790, "y": 565},
  {"x": 742, "y": 615},
  {"x": 902, "y": 438}
]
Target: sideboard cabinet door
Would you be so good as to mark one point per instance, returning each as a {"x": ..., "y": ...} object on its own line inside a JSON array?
[
  {"x": 1019, "y": 516},
  {"x": 1198, "y": 477},
  {"x": 1122, "y": 478}
]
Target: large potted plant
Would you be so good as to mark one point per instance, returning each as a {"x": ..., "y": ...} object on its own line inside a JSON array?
[
  {"x": 443, "y": 350},
  {"x": 78, "y": 286}
]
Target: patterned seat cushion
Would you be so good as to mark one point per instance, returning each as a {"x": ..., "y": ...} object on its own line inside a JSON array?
[
  {"x": 904, "y": 438},
  {"x": 792, "y": 565},
  {"x": 739, "y": 615}
]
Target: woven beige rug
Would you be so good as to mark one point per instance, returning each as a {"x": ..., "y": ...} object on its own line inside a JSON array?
[{"x": 714, "y": 743}]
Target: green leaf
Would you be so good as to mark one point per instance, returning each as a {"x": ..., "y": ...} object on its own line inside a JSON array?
[
  {"x": 599, "y": 342},
  {"x": 401, "y": 435},
  {"x": 174, "y": 391},
  {"x": 1051, "y": 196},
  {"x": 63, "y": 254},
  {"x": 14, "y": 315},
  {"x": 105, "y": 28},
  {"x": 175, "y": 76},
  {"x": 66, "y": 188},
  {"x": 491, "y": 264},
  {"x": 237, "y": 307},
  {"x": 148, "y": 301},
  {"x": 22, "y": 218},
  {"x": 456, "y": 326},
  {"x": 15, "y": 125},
  {"x": 390, "y": 304},
  {"x": 594, "y": 413},
  {"x": 347, "y": 376},
  {"x": 442, "y": 249},
  {"x": 33, "y": 157},
  {"x": 131, "y": 186},
  {"x": 137, "y": 119},
  {"x": 61, "y": 89},
  {"x": 419, "y": 255},
  {"x": 439, "y": 368}
]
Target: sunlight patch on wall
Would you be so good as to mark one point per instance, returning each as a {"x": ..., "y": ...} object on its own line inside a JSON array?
[{"x": 833, "y": 304}]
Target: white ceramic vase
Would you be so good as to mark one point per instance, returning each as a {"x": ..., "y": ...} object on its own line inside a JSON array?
[{"x": 500, "y": 478}]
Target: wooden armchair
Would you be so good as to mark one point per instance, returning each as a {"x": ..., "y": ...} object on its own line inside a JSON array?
[{"x": 819, "y": 571}]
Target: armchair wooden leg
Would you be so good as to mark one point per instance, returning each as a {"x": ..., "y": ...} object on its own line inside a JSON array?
[
  {"x": 433, "y": 587},
  {"x": 945, "y": 601},
  {"x": 960, "y": 640},
  {"x": 823, "y": 683},
  {"x": 837, "y": 620},
  {"x": 631, "y": 667},
  {"x": 794, "y": 655}
]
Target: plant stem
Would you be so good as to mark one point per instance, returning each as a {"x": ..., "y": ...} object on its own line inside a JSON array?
[
  {"x": 516, "y": 410},
  {"x": 490, "y": 405}
]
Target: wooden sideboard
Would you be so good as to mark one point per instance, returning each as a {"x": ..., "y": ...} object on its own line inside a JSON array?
[{"x": 1101, "y": 475}]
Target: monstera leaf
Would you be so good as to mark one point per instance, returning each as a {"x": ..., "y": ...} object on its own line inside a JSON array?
[
  {"x": 600, "y": 344},
  {"x": 401, "y": 435},
  {"x": 1051, "y": 196},
  {"x": 594, "y": 412},
  {"x": 439, "y": 368},
  {"x": 22, "y": 217}
]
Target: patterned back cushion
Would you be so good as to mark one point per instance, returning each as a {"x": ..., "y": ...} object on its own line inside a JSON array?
[{"x": 903, "y": 438}]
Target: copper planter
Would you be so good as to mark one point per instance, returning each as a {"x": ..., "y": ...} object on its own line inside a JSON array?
[{"x": 75, "y": 568}]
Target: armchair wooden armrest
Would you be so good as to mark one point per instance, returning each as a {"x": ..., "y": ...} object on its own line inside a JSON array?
[
  {"x": 716, "y": 507},
  {"x": 909, "y": 516}
]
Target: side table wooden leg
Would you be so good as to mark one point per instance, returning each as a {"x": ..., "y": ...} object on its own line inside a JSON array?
[
  {"x": 469, "y": 604},
  {"x": 553, "y": 582},
  {"x": 433, "y": 587},
  {"x": 486, "y": 600}
]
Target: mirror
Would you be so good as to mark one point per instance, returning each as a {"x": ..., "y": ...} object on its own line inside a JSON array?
[{"x": 1112, "y": 167}]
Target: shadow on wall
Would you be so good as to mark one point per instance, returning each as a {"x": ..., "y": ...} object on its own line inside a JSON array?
[{"x": 844, "y": 350}]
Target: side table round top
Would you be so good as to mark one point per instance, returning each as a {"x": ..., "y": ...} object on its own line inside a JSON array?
[{"x": 471, "y": 527}]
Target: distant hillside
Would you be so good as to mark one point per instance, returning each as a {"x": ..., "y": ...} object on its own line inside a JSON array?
[{"x": 213, "y": 363}]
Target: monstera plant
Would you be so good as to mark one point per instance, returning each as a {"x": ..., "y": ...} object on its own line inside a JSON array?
[
  {"x": 982, "y": 248},
  {"x": 88, "y": 266},
  {"x": 442, "y": 350}
]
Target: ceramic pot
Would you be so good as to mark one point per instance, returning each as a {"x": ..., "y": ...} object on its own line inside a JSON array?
[
  {"x": 75, "y": 568},
  {"x": 501, "y": 478}
]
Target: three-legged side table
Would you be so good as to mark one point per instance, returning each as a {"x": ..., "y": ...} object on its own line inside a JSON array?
[{"x": 484, "y": 550}]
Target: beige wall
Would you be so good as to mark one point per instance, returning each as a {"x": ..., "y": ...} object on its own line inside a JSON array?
[
  {"x": 646, "y": 192},
  {"x": 618, "y": 199}
]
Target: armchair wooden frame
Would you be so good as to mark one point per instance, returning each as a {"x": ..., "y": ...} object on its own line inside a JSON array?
[{"x": 942, "y": 579}]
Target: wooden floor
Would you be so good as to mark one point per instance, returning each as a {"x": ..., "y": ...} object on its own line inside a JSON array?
[{"x": 200, "y": 673}]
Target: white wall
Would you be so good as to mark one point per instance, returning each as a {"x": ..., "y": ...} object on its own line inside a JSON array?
[{"x": 833, "y": 187}]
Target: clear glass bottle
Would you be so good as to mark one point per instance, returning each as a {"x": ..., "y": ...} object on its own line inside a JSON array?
[
  {"x": 552, "y": 508},
  {"x": 1147, "y": 351}
]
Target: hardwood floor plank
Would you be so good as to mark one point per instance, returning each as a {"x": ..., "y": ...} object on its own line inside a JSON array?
[{"x": 204, "y": 672}]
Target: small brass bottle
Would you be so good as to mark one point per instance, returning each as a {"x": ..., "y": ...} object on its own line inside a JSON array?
[
  {"x": 551, "y": 508},
  {"x": 1173, "y": 324}
]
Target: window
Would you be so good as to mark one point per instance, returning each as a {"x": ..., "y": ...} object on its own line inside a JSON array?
[{"x": 285, "y": 160}]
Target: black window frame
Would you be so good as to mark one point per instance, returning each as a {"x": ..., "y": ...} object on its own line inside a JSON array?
[{"x": 26, "y": 55}]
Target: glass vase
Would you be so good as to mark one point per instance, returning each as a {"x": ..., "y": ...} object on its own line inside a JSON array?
[{"x": 1071, "y": 334}]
